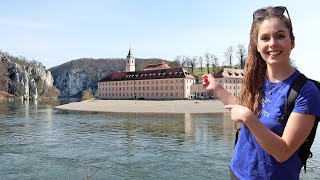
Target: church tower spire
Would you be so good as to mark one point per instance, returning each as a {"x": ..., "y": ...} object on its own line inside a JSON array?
[{"x": 130, "y": 62}]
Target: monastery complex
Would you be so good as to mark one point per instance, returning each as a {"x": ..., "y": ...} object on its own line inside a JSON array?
[{"x": 160, "y": 82}]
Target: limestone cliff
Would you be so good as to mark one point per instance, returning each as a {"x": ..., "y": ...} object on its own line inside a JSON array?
[{"x": 26, "y": 81}]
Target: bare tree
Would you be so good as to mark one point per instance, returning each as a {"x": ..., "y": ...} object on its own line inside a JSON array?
[
  {"x": 193, "y": 63},
  {"x": 241, "y": 54},
  {"x": 181, "y": 60},
  {"x": 228, "y": 55},
  {"x": 187, "y": 61},
  {"x": 207, "y": 57},
  {"x": 214, "y": 62},
  {"x": 200, "y": 60},
  {"x": 177, "y": 59}
]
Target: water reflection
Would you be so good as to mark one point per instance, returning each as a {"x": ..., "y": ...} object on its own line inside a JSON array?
[{"x": 39, "y": 142}]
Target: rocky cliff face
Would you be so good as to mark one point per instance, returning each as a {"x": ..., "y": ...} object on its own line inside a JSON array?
[
  {"x": 71, "y": 83},
  {"x": 27, "y": 82}
]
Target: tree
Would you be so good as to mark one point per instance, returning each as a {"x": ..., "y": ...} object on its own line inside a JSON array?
[
  {"x": 193, "y": 63},
  {"x": 241, "y": 54},
  {"x": 214, "y": 62},
  {"x": 228, "y": 55},
  {"x": 200, "y": 60},
  {"x": 207, "y": 57},
  {"x": 177, "y": 59}
]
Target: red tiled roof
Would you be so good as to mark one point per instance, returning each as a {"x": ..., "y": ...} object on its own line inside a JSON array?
[
  {"x": 148, "y": 74},
  {"x": 161, "y": 65},
  {"x": 230, "y": 73}
]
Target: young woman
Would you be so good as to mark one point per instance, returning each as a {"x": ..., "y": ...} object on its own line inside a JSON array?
[{"x": 267, "y": 149}]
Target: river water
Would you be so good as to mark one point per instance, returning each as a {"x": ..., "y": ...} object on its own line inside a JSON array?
[{"x": 40, "y": 142}]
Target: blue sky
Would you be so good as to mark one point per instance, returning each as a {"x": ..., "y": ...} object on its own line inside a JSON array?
[{"x": 54, "y": 32}]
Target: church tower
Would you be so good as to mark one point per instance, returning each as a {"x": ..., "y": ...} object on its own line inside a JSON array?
[{"x": 130, "y": 62}]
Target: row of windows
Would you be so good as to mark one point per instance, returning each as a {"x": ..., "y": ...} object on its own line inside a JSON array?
[
  {"x": 153, "y": 74},
  {"x": 145, "y": 82},
  {"x": 230, "y": 81},
  {"x": 141, "y": 94},
  {"x": 234, "y": 87},
  {"x": 141, "y": 88}
]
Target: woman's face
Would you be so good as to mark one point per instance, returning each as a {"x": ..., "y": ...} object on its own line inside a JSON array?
[{"x": 274, "y": 42}]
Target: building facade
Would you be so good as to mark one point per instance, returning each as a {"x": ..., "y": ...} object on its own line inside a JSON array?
[
  {"x": 230, "y": 79},
  {"x": 156, "y": 81}
]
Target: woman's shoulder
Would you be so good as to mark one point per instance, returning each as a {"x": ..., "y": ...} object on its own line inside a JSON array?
[{"x": 308, "y": 99}]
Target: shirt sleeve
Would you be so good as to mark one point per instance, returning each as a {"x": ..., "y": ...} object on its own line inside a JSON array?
[{"x": 308, "y": 101}]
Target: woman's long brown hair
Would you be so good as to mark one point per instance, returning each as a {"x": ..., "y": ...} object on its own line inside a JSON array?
[{"x": 255, "y": 66}]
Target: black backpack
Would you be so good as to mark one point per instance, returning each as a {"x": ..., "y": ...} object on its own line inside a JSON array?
[{"x": 304, "y": 150}]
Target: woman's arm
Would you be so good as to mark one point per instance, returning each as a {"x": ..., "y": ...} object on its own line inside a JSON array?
[
  {"x": 223, "y": 95},
  {"x": 280, "y": 147}
]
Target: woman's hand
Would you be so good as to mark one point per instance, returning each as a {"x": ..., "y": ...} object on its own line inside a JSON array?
[
  {"x": 240, "y": 113},
  {"x": 209, "y": 82}
]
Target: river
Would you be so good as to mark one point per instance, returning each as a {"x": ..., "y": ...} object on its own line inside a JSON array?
[{"x": 40, "y": 142}]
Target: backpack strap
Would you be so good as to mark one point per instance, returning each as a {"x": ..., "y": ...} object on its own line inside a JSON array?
[
  {"x": 304, "y": 150},
  {"x": 292, "y": 96}
]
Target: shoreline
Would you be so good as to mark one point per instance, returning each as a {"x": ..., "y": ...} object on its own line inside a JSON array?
[{"x": 147, "y": 106}]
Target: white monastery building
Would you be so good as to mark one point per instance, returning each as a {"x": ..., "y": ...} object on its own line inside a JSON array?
[{"x": 156, "y": 81}]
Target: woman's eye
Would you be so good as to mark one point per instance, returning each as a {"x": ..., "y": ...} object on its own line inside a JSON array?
[
  {"x": 264, "y": 38},
  {"x": 281, "y": 36}
]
